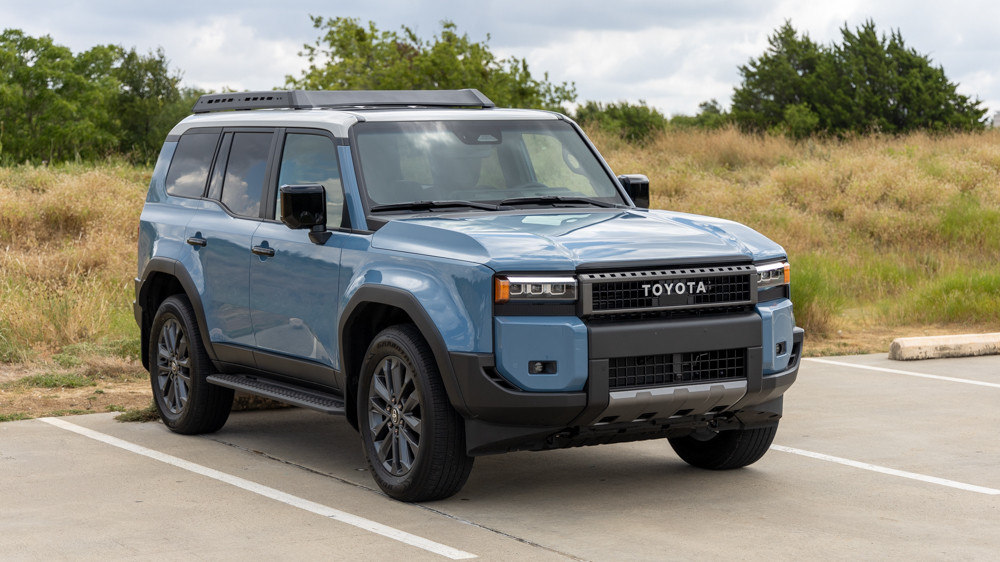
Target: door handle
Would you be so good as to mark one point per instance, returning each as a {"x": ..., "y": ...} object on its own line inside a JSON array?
[
  {"x": 262, "y": 251},
  {"x": 194, "y": 241}
]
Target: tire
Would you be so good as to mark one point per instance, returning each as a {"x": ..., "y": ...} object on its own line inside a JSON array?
[
  {"x": 732, "y": 448},
  {"x": 178, "y": 367},
  {"x": 412, "y": 438}
]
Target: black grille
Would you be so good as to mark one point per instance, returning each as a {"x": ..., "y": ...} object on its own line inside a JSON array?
[
  {"x": 676, "y": 368},
  {"x": 608, "y": 293}
]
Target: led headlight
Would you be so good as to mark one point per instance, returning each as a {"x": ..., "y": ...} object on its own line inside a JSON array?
[
  {"x": 772, "y": 280},
  {"x": 527, "y": 289}
]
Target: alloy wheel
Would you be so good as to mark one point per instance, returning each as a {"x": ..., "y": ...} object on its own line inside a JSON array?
[{"x": 394, "y": 415}]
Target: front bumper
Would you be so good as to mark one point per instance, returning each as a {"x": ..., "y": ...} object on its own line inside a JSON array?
[{"x": 502, "y": 417}]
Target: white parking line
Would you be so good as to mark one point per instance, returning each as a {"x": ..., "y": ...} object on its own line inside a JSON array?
[
  {"x": 898, "y": 372},
  {"x": 889, "y": 471},
  {"x": 294, "y": 501}
]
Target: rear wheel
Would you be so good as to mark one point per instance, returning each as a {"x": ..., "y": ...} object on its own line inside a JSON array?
[
  {"x": 413, "y": 439},
  {"x": 178, "y": 367},
  {"x": 724, "y": 450}
]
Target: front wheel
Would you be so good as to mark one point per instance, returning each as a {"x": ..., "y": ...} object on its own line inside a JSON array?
[
  {"x": 413, "y": 439},
  {"x": 732, "y": 448},
  {"x": 178, "y": 367}
]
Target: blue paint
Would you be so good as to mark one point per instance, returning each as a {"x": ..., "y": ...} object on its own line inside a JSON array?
[
  {"x": 777, "y": 322},
  {"x": 521, "y": 340}
]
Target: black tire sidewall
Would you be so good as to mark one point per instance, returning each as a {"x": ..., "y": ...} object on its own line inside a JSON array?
[
  {"x": 402, "y": 343},
  {"x": 729, "y": 449},
  {"x": 202, "y": 395}
]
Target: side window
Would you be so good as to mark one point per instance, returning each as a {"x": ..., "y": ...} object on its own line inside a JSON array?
[
  {"x": 243, "y": 184},
  {"x": 312, "y": 159},
  {"x": 189, "y": 167}
]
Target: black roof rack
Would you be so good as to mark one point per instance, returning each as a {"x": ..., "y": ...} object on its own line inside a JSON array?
[{"x": 302, "y": 99}]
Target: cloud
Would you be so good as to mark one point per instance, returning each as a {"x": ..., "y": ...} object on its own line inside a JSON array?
[
  {"x": 672, "y": 54},
  {"x": 224, "y": 52}
]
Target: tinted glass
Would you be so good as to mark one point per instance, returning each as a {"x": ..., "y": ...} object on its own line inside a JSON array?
[
  {"x": 246, "y": 173},
  {"x": 215, "y": 182},
  {"x": 189, "y": 167},
  {"x": 478, "y": 161},
  {"x": 312, "y": 159}
]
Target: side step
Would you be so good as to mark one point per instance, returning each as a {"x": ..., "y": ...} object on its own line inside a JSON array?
[{"x": 282, "y": 392}]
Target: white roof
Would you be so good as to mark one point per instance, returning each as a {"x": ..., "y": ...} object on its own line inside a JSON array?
[{"x": 338, "y": 121}]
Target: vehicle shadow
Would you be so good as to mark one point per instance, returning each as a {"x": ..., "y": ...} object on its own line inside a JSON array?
[{"x": 621, "y": 476}]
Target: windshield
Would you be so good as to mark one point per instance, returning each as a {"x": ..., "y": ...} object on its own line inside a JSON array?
[{"x": 508, "y": 162}]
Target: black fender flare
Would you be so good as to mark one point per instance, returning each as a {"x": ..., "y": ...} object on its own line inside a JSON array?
[
  {"x": 408, "y": 303},
  {"x": 175, "y": 269}
]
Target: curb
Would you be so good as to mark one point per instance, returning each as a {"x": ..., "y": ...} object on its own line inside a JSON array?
[{"x": 939, "y": 347}]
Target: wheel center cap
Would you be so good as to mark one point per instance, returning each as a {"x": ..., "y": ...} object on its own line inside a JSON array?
[{"x": 394, "y": 415}]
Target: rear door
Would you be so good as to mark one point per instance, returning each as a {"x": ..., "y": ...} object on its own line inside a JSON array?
[{"x": 222, "y": 235}]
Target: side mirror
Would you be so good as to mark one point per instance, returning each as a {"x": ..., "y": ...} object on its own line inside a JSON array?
[
  {"x": 304, "y": 206},
  {"x": 637, "y": 187}
]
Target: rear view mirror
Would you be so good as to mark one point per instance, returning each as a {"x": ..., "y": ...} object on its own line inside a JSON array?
[{"x": 637, "y": 187}]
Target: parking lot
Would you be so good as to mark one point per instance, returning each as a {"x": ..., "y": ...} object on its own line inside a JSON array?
[{"x": 874, "y": 459}]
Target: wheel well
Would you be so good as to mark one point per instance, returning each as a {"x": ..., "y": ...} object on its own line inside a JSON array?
[
  {"x": 158, "y": 287},
  {"x": 365, "y": 323}
]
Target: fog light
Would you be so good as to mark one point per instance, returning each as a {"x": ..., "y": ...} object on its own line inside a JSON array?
[{"x": 542, "y": 367}]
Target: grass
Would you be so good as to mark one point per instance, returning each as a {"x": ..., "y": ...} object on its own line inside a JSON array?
[
  {"x": 68, "y": 235},
  {"x": 146, "y": 414},
  {"x": 882, "y": 232},
  {"x": 887, "y": 232},
  {"x": 51, "y": 380}
]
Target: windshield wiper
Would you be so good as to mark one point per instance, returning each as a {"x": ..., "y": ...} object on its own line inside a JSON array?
[
  {"x": 553, "y": 199},
  {"x": 427, "y": 205}
]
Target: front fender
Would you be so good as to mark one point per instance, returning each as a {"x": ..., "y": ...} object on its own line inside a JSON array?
[
  {"x": 456, "y": 297},
  {"x": 449, "y": 304}
]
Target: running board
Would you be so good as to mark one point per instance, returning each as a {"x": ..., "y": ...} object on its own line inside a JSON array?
[{"x": 283, "y": 392}]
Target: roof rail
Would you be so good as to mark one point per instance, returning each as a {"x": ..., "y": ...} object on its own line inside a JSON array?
[{"x": 302, "y": 99}]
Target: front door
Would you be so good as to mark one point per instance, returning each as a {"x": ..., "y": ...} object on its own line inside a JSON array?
[{"x": 294, "y": 283}]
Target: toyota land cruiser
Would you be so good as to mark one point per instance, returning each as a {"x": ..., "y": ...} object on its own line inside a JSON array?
[{"x": 455, "y": 279}]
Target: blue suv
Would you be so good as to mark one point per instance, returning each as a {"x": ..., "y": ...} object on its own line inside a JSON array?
[{"x": 456, "y": 280}]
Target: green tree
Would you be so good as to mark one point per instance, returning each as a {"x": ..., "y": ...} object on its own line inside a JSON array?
[
  {"x": 148, "y": 102},
  {"x": 867, "y": 83},
  {"x": 710, "y": 115},
  {"x": 91, "y": 131},
  {"x": 32, "y": 110},
  {"x": 892, "y": 88},
  {"x": 53, "y": 105},
  {"x": 786, "y": 74},
  {"x": 349, "y": 55},
  {"x": 57, "y": 106},
  {"x": 636, "y": 123},
  {"x": 800, "y": 121}
]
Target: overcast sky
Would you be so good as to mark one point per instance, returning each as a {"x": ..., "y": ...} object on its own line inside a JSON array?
[{"x": 672, "y": 53}]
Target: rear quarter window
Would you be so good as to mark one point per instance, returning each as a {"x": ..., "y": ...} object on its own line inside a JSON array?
[{"x": 191, "y": 163}]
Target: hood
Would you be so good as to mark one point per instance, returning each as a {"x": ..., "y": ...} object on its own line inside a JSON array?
[{"x": 562, "y": 240}]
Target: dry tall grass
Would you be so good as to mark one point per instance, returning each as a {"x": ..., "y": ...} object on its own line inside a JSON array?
[
  {"x": 889, "y": 231},
  {"x": 68, "y": 237},
  {"x": 881, "y": 232}
]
